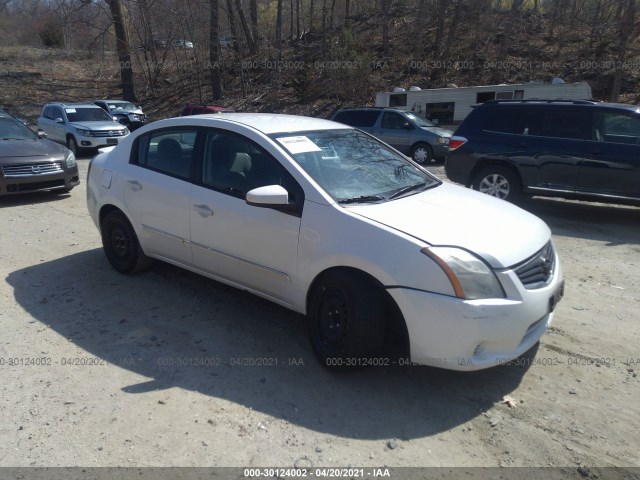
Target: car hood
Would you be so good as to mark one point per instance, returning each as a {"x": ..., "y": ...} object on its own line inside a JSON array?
[
  {"x": 501, "y": 233},
  {"x": 98, "y": 125},
  {"x": 30, "y": 149},
  {"x": 443, "y": 132}
]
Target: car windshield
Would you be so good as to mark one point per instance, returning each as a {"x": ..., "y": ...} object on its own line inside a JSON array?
[
  {"x": 121, "y": 106},
  {"x": 354, "y": 167},
  {"x": 419, "y": 121},
  {"x": 11, "y": 129},
  {"x": 87, "y": 114}
]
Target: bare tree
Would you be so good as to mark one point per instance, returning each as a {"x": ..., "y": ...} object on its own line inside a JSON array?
[
  {"x": 386, "y": 7},
  {"x": 251, "y": 41},
  {"x": 253, "y": 14},
  {"x": 232, "y": 26},
  {"x": 122, "y": 46},
  {"x": 214, "y": 50},
  {"x": 626, "y": 15},
  {"x": 279, "y": 26}
]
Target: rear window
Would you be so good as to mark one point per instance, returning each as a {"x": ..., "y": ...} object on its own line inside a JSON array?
[
  {"x": 358, "y": 118},
  {"x": 503, "y": 120}
]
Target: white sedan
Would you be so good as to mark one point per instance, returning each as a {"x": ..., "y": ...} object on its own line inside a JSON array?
[{"x": 332, "y": 223}]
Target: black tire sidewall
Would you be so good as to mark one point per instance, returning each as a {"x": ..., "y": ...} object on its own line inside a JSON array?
[
  {"x": 365, "y": 330},
  {"x": 117, "y": 221}
]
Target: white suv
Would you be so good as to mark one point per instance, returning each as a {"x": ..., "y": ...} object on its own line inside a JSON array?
[
  {"x": 330, "y": 222},
  {"x": 80, "y": 126}
]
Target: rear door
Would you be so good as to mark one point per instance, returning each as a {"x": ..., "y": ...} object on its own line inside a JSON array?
[
  {"x": 157, "y": 191},
  {"x": 552, "y": 140},
  {"x": 611, "y": 164},
  {"x": 396, "y": 130}
]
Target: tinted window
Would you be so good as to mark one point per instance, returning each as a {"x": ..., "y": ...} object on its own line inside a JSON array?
[
  {"x": 558, "y": 122},
  {"x": 86, "y": 114},
  {"x": 394, "y": 121},
  {"x": 168, "y": 151},
  {"x": 503, "y": 120},
  {"x": 615, "y": 127},
  {"x": 358, "y": 118}
]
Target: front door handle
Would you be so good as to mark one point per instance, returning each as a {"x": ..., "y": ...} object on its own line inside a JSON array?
[
  {"x": 203, "y": 210},
  {"x": 135, "y": 185}
]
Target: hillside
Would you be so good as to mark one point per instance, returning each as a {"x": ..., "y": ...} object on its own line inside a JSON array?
[{"x": 313, "y": 77}]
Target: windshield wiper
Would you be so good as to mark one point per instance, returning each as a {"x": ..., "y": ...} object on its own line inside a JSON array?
[
  {"x": 408, "y": 189},
  {"x": 362, "y": 199}
]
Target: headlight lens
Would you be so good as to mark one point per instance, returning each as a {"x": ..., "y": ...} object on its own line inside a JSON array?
[
  {"x": 126, "y": 131},
  {"x": 470, "y": 277},
  {"x": 71, "y": 160},
  {"x": 84, "y": 133}
]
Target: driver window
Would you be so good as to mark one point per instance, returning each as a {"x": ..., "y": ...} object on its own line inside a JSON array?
[{"x": 393, "y": 120}]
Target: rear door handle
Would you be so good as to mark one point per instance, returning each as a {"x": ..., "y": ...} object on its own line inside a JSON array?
[
  {"x": 203, "y": 210},
  {"x": 135, "y": 185}
]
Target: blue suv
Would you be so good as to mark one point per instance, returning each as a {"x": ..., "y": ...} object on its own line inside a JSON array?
[{"x": 572, "y": 149}]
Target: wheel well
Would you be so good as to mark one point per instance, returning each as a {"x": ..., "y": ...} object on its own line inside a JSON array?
[
  {"x": 70, "y": 135},
  {"x": 105, "y": 210},
  {"x": 396, "y": 343},
  {"x": 491, "y": 162}
]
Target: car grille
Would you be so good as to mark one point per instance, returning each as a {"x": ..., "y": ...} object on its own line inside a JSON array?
[
  {"x": 31, "y": 169},
  {"x": 536, "y": 272},
  {"x": 108, "y": 133}
]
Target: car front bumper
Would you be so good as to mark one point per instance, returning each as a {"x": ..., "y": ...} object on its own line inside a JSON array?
[
  {"x": 65, "y": 180},
  {"x": 459, "y": 334}
]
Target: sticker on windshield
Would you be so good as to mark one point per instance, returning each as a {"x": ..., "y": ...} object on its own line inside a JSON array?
[
  {"x": 298, "y": 145},
  {"x": 70, "y": 110}
]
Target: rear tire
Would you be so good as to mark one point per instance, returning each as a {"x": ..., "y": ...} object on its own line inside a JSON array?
[
  {"x": 346, "y": 320},
  {"x": 121, "y": 244},
  {"x": 499, "y": 182}
]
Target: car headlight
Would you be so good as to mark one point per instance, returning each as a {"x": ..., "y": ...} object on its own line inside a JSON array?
[
  {"x": 470, "y": 277},
  {"x": 84, "y": 133},
  {"x": 443, "y": 140},
  {"x": 125, "y": 131},
  {"x": 71, "y": 160}
]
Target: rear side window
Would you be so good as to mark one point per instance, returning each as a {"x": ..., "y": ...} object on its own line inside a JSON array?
[
  {"x": 358, "y": 118},
  {"x": 168, "y": 151},
  {"x": 558, "y": 122},
  {"x": 615, "y": 127},
  {"x": 503, "y": 120}
]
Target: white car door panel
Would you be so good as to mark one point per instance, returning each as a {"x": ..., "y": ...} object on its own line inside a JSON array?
[
  {"x": 252, "y": 246},
  {"x": 160, "y": 206}
]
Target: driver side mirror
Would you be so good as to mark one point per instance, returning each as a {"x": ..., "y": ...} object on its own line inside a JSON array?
[
  {"x": 268, "y": 196},
  {"x": 407, "y": 126},
  {"x": 41, "y": 134},
  {"x": 59, "y": 120}
]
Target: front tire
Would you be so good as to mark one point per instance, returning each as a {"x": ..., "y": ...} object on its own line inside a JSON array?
[
  {"x": 121, "y": 244},
  {"x": 72, "y": 145},
  {"x": 499, "y": 182},
  {"x": 346, "y": 320},
  {"x": 422, "y": 153}
]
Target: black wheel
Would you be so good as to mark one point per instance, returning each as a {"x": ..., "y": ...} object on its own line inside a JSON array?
[
  {"x": 121, "y": 244},
  {"x": 72, "y": 145},
  {"x": 346, "y": 320},
  {"x": 422, "y": 153},
  {"x": 498, "y": 182}
]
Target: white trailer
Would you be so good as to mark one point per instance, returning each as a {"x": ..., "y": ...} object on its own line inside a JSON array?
[{"x": 449, "y": 106}]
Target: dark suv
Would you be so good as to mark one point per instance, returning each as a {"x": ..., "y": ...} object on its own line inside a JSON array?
[
  {"x": 572, "y": 149},
  {"x": 405, "y": 131}
]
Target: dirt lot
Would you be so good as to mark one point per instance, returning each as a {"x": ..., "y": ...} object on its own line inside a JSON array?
[{"x": 100, "y": 369}]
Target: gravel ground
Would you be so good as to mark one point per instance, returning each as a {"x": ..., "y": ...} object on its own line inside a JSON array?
[{"x": 158, "y": 369}]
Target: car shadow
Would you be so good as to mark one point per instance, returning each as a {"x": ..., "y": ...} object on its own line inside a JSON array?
[
  {"x": 23, "y": 199},
  {"x": 613, "y": 224},
  {"x": 182, "y": 330}
]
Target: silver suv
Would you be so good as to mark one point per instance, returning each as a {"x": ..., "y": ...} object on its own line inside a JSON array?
[
  {"x": 80, "y": 126},
  {"x": 407, "y": 132}
]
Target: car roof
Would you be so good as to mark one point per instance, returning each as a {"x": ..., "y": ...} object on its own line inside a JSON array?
[
  {"x": 560, "y": 102},
  {"x": 73, "y": 105},
  {"x": 267, "y": 123}
]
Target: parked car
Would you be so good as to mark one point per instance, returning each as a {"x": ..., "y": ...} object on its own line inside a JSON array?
[
  {"x": 80, "y": 126},
  {"x": 570, "y": 149},
  {"x": 30, "y": 163},
  {"x": 124, "y": 112},
  {"x": 182, "y": 44},
  {"x": 405, "y": 131},
  {"x": 203, "y": 109},
  {"x": 332, "y": 223}
]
